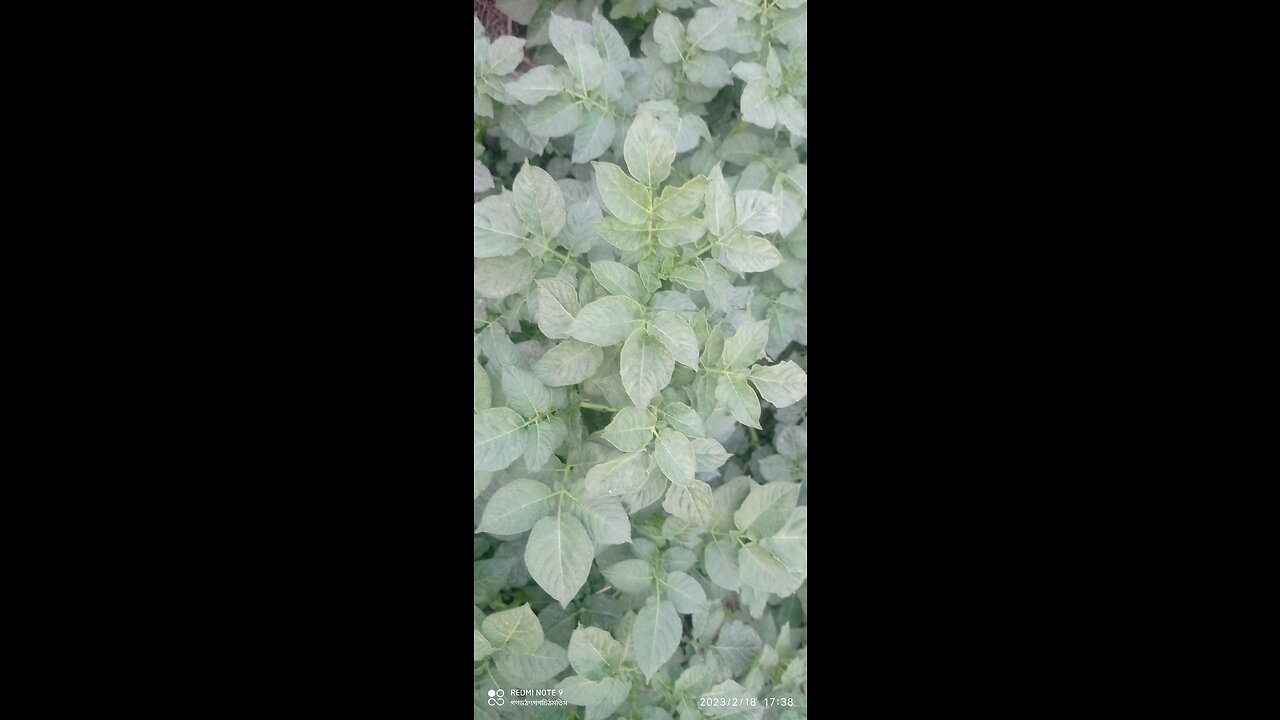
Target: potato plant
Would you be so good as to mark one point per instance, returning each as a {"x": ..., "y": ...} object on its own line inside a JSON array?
[{"x": 640, "y": 335}]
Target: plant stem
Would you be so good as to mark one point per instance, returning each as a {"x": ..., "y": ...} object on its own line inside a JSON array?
[
  {"x": 595, "y": 406},
  {"x": 567, "y": 259},
  {"x": 698, "y": 254}
]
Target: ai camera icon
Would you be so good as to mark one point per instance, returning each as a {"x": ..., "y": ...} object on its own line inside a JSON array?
[{"x": 495, "y": 698}]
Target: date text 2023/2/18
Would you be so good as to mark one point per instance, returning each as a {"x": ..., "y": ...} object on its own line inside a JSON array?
[{"x": 745, "y": 702}]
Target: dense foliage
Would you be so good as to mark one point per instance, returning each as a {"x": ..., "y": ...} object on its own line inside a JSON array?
[{"x": 640, "y": 332}]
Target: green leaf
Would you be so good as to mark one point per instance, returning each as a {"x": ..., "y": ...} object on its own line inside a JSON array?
[
  {"x": 582, "y": 690},
  {"x": 481, "y": 105},
  {"x": 766, "y": 509},
  {"x": 481, "y": 178},
  {"x": 721, "y": 564},
  {"x": 498, "y": 438},
  {"x": 603, "y": 518},
  {"x": 677, "y": 202},
  {"x": 749, "y": 71},
  {"x": 630, "y": 576},
  {"x": 713, "y": 348},
  {"x": 619, "y": 279},
  {"x": 792, "y": 190},
  {"x": 735, "y": 395},
  {"x": 481, "y": 392},
  {"x": 582, "y": 227},
  {"x": 480, "y": 482},
  {"x": 649, "y": 492},
  {"x": 708, "y": 453},
  {"x": 668, "y": 33},
  {"x": 480, "y": 647},
  {"x": 795, "y": 673},
  {"x": 525, "y": 393},
  {"x": 709, "y": 71},
  {"x": 686, "y": 421},
  {"x": 764, "y": 572},
  {"x": 498, "y": 277},
  {"x": 726, "y": 499},
  {"x": 708, "y": 621},
  {"x": 677, "y": 558},
  {"x": 545, "y": 436},
  {"x": 645, "y": 364},
  {"x": 695, "y": 680},
  {"x": 539, "y": 201},
  {"x": 565, "y": 32},
  {"x": 756, "y": 211},
  {"x": 557, "y": 303},
  {"x": 559, "y": 555},
  {"x": 676, "y": 302},
  {"x": 674, "y": 456},
  {"x": 773, "y": 68},
  {"x": 488, "y": 577},
  {"x": 504, "y": 55},
  {"x": 519, "y": 10},
  {"x": 536, "y": 85},
  {"x": 792, "y": 27},
  {"x": 515, "y": 507},
  {"x": 593, "y": 137},
  {"x": 608, "y": 321},
  {"x": 649, "y": 151},
  {"x": 682, "y": 231},
  {"x": 514, "y": 122},
  {"x": 755, "y": 601},
  {"x": 624, "y": 236},
  {"x": 539, "y": 665},
  {"x": 690, "y": 277},
  {"x": 781, "y": 384},
  {"x": 619, "y": 476},
  {"x": 498, "y": 231},
  {"x": 684, "y": 592},
  {"x": 645, "y": 549},
  {"x": 656, "y": 636},
  {"x": 557, "y": 623},
  {"x": 743, "y": 148},
  {"x": 553, "y": 117},
  {"x": 748, "y": 253},
  {"x": 675, "y": 334},
  {"x": 568, "y": 363},
  {"x": 737, "y": 647},
  {"x": 515, "y": 630},
  {"x": 711, "y": 28},
  {"x": 792, "y": 441},
  {"x": 777, "y": 468},
  {"x": 611, "y": 45},
  {"x": 630, "y": 430},
  {"x": 790, "y": 545},
  {"x": 758, "y": 106},
  {"x": 719, "y": 210},
  {"x": 625, "y": 198},
  {"x": 689, "y": 502},
  {"x": 746, "y": 345},
  {"x": 617, "y": 690},
  {"x": 585, "y": 65},
  {"x": 791, "y": 114},
  {"x": 594, "y": 653}
]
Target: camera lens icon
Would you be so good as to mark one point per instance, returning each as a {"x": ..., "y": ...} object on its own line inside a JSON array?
[{"x": 495, "y": 698}]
